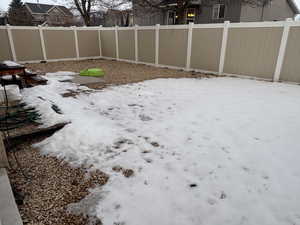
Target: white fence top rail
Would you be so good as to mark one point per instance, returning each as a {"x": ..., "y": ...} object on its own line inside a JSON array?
[{"x": 185, "y": 26}]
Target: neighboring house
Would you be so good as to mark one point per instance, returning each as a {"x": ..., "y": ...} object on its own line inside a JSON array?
[
  {"x": 233, "y": 11},
  {"x": 51, "y": 15},
  {"x": 3, "y": 18}
]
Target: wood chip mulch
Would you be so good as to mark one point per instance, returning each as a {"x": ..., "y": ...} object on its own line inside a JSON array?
[{"x": 49, "y": 187}]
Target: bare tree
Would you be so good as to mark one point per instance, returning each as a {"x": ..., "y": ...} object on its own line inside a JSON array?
[
  {"x": 86, "y": 7},
  {"x": 17, "y": 15}
]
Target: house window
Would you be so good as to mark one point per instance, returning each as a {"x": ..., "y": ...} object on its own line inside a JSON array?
[
  {"x": 171, "y": 17},
  {"x": 190, "y": 15},
  {"x": 218, "y": 11}
]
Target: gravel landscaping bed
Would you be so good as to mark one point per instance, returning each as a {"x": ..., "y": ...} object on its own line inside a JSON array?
[
  {"x": 116, "y": 72},
  {"x": 45, "y": 186}
]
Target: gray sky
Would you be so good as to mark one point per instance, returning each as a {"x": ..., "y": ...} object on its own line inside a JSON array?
[{"x": 4, "y": 3}]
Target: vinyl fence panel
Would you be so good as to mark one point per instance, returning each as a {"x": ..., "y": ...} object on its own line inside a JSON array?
[
  {"x": 60, "y": 44},
  {"x": 253, "y": 51},
  {"x": 173, "y": 47},
  {"x": 206, "y": 45},
  {"x": 88, "y": 43},
  {"x": 108, "y": 43},
  {"x": 291, "y": 65},
  {"x": 146, "y": 46},
  {"x": 5, "y": 52},
  {"x": 126, "y": 44},
  {"x": 27, "y": 44}
]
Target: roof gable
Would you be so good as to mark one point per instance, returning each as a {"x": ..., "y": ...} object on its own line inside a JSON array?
[
  {"x": 35, "y": 8},
  {"x": 38, "y": 8}
]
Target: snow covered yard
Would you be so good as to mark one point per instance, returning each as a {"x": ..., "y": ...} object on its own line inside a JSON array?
[{"x": 204, "y": 151}]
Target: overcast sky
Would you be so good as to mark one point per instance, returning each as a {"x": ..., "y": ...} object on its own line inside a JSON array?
[{"x": 4, "y": 3}]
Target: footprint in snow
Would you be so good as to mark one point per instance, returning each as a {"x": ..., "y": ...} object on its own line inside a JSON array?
[
  {"x": 148, "y": 160},
  {"x": 246, "y": 169},
  {"x": 211, "y": 201},
  {"x": 145, "y": 117}
]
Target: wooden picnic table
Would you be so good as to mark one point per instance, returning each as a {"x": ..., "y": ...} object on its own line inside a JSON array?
[
  {"x": 27, "y": 79},
  {"x": 13, "y": 71}
]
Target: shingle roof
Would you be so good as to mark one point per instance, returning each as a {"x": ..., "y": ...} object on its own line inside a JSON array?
[
  {"x": 294, "y": 6},
  {"x": 44, "y": 8}
]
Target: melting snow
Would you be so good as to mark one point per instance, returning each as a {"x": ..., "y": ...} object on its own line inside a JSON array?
[
  {"x": 204, "y": 151},
  {"x": 11, "y": 63}
]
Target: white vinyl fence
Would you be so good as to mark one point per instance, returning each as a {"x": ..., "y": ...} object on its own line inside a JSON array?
[{"x": 265, "y": 50}]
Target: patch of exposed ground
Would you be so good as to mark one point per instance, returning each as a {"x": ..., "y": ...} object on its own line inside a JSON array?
[
  {"x": 116, "y": 72},
  {"x": 49, "y": 187}
]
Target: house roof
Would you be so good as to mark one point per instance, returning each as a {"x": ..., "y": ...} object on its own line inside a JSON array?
[
  {"x": 294, "y": 6},
  {"x": 45, "y": 8},
  {"x": 291, "y": 3}
]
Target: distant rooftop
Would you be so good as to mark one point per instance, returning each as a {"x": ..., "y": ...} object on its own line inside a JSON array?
[{"x": 45, "y": 8}]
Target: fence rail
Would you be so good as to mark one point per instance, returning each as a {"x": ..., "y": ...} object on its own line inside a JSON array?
[{"x": 266, "y": 50}]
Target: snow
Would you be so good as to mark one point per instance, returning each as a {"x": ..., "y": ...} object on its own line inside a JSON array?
[
  {"x": 12, "y": 93},
  {"x": 11, "y": 63},
  {"x": 204, "y": 151}
]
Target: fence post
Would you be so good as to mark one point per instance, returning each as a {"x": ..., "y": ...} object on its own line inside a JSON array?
[
  {"x": 99, "y": 39},
  {"x": 189, "y": 47},
  {"x": 3, "y": 157},
  {"x": 156, "y": 43},
  {"x": 76, "y": 42},
  {"x": 11, "y": 42},
  {"x": 281, "y": 53},
  {"x": 223, "y": 47},
  {"x": 136, "y": 43},
  {"x": 117, "y": 42},
  {"x": 42, "y": 42}
]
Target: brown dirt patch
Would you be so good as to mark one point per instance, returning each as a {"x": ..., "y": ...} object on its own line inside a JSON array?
[{"x": 116, "y": 72}]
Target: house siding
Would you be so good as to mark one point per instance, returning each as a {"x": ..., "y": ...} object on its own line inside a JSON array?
[
  {"x": 144, "y": 16},
  {"x": 250, "y": 13},
  {"x": 235, "y": 11},
  {"x": 232, "y": 13},
  {"x": 278, "y": 10}
]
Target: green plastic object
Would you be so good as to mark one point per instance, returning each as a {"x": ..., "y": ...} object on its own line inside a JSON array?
[{"x": 94, "y": 72}]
